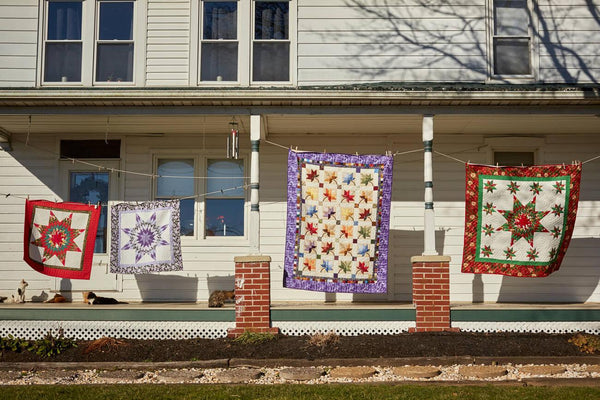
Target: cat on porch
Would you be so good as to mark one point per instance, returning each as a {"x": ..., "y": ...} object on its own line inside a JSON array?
[
  {"x": 219, "y": 297},
  {"x": 20, "y": 297},
  {"x": 91, "y": 298}
]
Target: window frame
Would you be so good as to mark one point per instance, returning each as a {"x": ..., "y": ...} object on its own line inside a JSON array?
[
  {"x": 201, "y": 159},
  {"x": 89, "y": 22},
  {"x": 533, "y": 53},
  {"x": 98, "y": 41},
  {"x": 523, "y": 144},
  {"x": 245, "y": 40}
]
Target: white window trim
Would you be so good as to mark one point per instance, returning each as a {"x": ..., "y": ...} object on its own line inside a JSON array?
[
  {"x": 201, "y": 158},
  {"x": 533, "y": 48},
  {"x": 245, "y": 40},
  {"x": 524, "y": 144},
  {"x": 89, "y": 20}
]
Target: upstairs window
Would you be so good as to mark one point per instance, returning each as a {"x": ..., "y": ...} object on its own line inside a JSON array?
[
  {"x": 271, "y": 42},
  {"x": 63, "y": 44},
  {"x": 511, "y": 38},
  {"x": 114, "y": 42},
  {"x": 219, "y": 48}
]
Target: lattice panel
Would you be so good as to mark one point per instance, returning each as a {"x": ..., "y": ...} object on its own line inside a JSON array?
[
  {"x": 526, "y": 326},
  {"x": 90, "y": 330},
  {"x": 345, "y": 328}
]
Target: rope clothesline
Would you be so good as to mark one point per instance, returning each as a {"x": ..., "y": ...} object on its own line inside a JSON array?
[
  {"x": 7, "y": 195},
  {"x": 124, "y": 171}
]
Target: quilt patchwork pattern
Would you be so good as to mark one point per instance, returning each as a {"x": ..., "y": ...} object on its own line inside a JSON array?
[
  {"x": 59, "y": 238},
  {"x": 519, "y": 220},
  {"x": 337, "y": 222},
  {"x": 145, "y": 237}
]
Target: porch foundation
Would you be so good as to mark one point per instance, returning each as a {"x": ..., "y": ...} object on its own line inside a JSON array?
[
  {"x": 252, "y": 295},
  {"x": 431, "y": 293}
]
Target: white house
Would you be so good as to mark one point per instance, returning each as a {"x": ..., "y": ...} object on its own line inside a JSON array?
[{"x": 134, "y": 89}]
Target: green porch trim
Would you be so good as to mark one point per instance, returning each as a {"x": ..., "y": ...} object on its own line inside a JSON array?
[
  {"x": 527, "y": 315},
  {"x": 132, "y": 314},
  {"x": 344, "y": 315}
]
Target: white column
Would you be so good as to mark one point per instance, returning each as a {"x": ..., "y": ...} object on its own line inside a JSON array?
[
  {"x": 254, "y": 222},
  {"x": 429, "y": 223}
]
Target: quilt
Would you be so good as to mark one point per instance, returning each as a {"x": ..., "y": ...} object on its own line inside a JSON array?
[
  {"x": 59, "y": 238},
  {"x": 519, "y": 220},
  {"x": 338, "y": 211},
  {"x": 145, "y": 237}
]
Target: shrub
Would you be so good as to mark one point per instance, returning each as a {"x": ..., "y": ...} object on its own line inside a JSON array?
[
  {"x": 51, "y": 345},
  {"x": 586, "y": 343},
  {"x": 249, "y": 337}
]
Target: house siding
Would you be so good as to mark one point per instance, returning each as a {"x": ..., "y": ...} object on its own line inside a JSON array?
[
  {"x": 168, "y": 43},
  {"x": 357, "y": 42},
  {"x": 568, "y": 41},
  {"x": 18, "y": 43}
]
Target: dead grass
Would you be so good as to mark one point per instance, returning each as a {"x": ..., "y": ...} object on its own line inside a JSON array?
[
  {"x": 322, "y": 340},
  {"x": 104, "y": 344}
]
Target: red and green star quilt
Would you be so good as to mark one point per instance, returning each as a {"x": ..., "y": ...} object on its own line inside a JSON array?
[
  {"x": 337, "y": 222},
  {"x": 519, "y": 220},
  {"x": 59, "y": 238}
]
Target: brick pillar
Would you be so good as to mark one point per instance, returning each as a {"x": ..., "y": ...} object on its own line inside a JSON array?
[
  {"x": 431, "y": 293},
  {"x": 252, "y": 295}
]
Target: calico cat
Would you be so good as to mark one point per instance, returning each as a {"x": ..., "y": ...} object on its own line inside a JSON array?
[
  {"x": 93, "y": 299},
  {"x": 20, "y": 298},
  {"x": 219, "y": 297}
]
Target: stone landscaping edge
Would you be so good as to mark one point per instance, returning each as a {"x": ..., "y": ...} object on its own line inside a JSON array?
[{"x": 291, "y": 362}]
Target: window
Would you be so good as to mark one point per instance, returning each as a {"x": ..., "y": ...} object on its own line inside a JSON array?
[
  {"x": 114, "y": 42},
  {"x": 510, "y": 158},
  {"x": 176, "y": 180},
  {"x": 63, "y": 44},
  {"x": 224, "y": 208},
  {"x": 219, "y": 49},
  {"x": 244, "y": 42},
  {"x": 271, "y": 45},
  {"x": 90, "y": 41},
  {"x": 220, "y": 195},
  {"x": 511, "y": 38}
]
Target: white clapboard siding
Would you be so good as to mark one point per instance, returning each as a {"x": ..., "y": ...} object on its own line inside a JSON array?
[
  {"x": 401, "y": 41},
  {"x": 168, "y": 43},
  {"x": 208, "y": 264},
  {"x": 18, "y": 38},
  {"x": 568, "y": 41}
]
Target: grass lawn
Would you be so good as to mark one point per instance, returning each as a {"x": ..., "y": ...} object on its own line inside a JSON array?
[{"x": 295, "y": 392}]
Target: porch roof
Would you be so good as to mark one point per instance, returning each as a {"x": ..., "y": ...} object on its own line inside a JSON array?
[{"x": 376, "y": 94}]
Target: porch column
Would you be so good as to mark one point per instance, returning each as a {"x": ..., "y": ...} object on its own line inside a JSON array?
[
  {"x": 429, "y": 223},
  {"x": 252, "y": 295},
  {"x": 254, "y": 220}
]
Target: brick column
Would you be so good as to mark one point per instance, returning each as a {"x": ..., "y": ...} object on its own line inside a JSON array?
[
  {"x": 252, "y": 295},
  {"x": 431, "y": 293}
]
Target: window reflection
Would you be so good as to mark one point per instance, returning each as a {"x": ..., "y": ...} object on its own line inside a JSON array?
[{"x": 92, "y": 188}]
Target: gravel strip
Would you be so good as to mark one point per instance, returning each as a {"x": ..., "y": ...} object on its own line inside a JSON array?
[{"x": 268, "y": 376}]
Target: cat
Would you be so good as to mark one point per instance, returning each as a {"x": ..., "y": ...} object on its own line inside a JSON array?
[
  {"x": 20, "y": 298},
  {"x": 58, "y": 298},
  {"x": 219, "y": 297},
  {"x": 93, "y": 299}
]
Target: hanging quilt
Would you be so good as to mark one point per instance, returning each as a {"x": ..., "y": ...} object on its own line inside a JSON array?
[
  {"x": 519, "y": 220},
  {"x": 59, "y": 238},
  {"x": 337, "y": 222},
  {"x": 145, "y": 237}
]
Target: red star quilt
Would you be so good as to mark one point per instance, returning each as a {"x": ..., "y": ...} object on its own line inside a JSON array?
[
  {"x": 519, "y": 220},
  {"x": 59, "y": 238}
]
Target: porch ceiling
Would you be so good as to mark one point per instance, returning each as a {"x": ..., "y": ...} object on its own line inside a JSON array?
[{"x": 284, "y": 125}]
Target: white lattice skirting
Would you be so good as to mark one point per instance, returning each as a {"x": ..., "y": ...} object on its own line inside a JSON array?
[
  {"x": 344, "y": 328},
  {"x": 91, "y": 330},
  {"x": 526, "y": 326}
]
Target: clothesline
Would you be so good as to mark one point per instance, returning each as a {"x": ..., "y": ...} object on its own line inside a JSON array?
[
  {"x": 7, "y": 195},
  {"x": 123, "y": 171},
  {"x": 398, "y": 153}
]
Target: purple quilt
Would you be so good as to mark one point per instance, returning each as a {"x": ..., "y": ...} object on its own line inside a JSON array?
[
  {"x": 145, "y": 237},
  {"x": 338, "y": 214}
]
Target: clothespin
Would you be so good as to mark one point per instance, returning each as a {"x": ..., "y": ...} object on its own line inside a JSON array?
[
  {"x": 6, "y": 196},
  {"x": 324, "y": 151},
  {"x": 356, "y": 153}
]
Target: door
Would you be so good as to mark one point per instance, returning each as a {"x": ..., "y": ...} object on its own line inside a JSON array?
[{"x": 82, "y": 184}]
